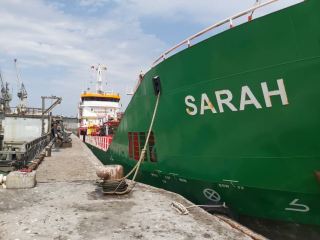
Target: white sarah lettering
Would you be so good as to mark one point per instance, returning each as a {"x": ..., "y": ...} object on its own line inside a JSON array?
[
  {"x": 224, "y": 98},
  {"x": 281, "y": 91},
  {"x": 226, "y": 101},
  {"x": 189, "y": 100},
  {"x": 246, "y": 92},
  {"x": 206, "y": 104}
]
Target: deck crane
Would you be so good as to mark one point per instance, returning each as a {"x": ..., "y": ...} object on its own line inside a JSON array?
[{"x": 22, "y": 92}]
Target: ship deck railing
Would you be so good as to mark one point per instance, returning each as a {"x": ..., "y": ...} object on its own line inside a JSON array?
[
  {"x": 101, "y": 142},
  {"x": 187, "y": 42},
  {"x": 24, "y": 151}
]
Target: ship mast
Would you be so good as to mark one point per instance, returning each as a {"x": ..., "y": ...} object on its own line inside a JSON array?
[{"x": 99, "y": 69}]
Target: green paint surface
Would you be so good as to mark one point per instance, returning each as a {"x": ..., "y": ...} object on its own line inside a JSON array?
[{"x": 269, "y": 154}]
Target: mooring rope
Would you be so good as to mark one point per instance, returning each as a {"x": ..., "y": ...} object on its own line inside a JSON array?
[
  {"x": 183, "y": 210},
  {"x": 136, "y": 168}
]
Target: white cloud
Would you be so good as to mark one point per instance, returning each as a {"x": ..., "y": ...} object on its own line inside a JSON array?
[
  {"x": 93, "y": 3},
  {"x": 200, "y": 11}
]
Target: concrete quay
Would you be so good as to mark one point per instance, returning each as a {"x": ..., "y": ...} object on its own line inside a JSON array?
[{"x": 66, "y": 204}]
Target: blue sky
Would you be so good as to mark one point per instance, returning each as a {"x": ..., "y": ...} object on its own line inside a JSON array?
[{"x": 56, "y": 41}]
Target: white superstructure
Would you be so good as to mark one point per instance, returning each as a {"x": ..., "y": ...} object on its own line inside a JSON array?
[{"x": 97, "y": 108}]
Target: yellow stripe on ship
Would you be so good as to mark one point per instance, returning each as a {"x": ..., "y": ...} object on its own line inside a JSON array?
[{"x": 101, "y": 95}]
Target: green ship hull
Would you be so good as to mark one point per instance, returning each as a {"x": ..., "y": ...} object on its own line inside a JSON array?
[{"x": 238, "y": 120}]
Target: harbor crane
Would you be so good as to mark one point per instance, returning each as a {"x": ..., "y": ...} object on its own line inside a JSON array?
[
  {"x": 22, "y": 92},
  {"x": 6, "y": 97},
  {"x": 57, "y": 100}
]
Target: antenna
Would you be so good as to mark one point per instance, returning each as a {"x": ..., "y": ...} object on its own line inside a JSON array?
[
  {"x": 99, "y": 69},
  {"x": 17, "y": 72}
]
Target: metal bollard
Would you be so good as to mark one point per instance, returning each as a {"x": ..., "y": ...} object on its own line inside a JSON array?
[{"x": 48, "y": 151}]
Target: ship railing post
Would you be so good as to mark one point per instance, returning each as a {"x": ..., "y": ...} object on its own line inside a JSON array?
[
  {"x": 257, "y": 3},
  {"x": 102, "y": 143},
  {"x": 230, "y": 23}
]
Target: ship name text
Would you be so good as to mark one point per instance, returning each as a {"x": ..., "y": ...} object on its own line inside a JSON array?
[{"x": 224, "y": 99}]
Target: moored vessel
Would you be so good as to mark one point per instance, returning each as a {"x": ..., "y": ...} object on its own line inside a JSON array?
[
  {"x": 238, "y": 119},
  {"x": 98, "y": 113}
]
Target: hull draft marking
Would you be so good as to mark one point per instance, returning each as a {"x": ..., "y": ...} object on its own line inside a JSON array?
[
  {"x": 211, "y": 195},
  {"x": 297, "y": 207}
]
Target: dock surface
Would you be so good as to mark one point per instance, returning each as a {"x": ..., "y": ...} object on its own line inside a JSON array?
[
  {"x": 66, "y": 204},
  {"x": 69, "y": 164}
]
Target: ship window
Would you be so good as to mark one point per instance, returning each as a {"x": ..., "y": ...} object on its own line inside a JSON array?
[
  {"x": 136, "y": 144},
  {"x": 136, "y": 152},
  {"x": 104, "y": 99}
]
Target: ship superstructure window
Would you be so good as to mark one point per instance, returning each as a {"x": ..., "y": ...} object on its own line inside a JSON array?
[
  {"x": 104, "y": 99},
  {"x": 136, "y": 143}
]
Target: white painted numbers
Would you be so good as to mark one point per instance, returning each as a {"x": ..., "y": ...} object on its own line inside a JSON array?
[{"x": 224, "y": 100}]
